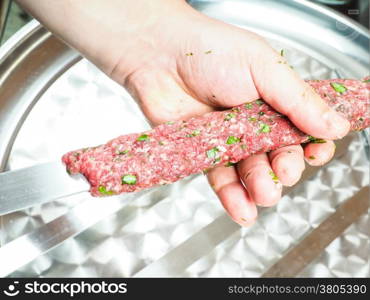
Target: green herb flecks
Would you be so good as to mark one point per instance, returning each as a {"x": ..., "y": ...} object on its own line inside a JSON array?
[
  {"x": 230, "y": 164},
  {"x": 311, "y": 157},
  {"x": 102, "y": 190},
  {"x": 252, "y": 119},
  {"x": 170, "y": 122},
  {"x": 259, "y": 102},
  {"x": 248, "y": 105},
  {"x": 217, "y": 160},
  {"x": 212, "y": 153},
  {"x": 232, "y": 140},
  {"x": 143, "y": 137},
  {"x": 243, "y": 146},
  {"x": 316, "y": 140},
  {"x": 282, "y": 52},
  {"x": 235, "y": 109},
  {"x": 274, "y": 177},
  {"x": 261, "y": 113},
  {"x": 264, "y": 128},
  {"x": 194, "y": 133},
  {"x": 129, "y": 179},
  {"x": 229, "y": 116},
  {"x": 123, "y": 152},
  {"x": 366, "y": 81},
  {"x": 338, "y": 87}
]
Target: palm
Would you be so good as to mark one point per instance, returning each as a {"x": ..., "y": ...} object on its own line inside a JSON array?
[{"x": 203, "y": 72}]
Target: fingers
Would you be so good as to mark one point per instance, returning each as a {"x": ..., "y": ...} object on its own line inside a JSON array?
[
  {"x": 281, "y": 87},
  {"x": 261, "y": 182},
  {"x": 234, "y": 198},
  {"x": 319, "y": 154},
  {"x": 288, "y": 164}
]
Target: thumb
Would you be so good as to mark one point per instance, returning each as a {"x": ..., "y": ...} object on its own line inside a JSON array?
[{"x": 282, "y": 88}]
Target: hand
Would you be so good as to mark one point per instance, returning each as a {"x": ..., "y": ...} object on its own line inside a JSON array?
[
  {"x": 178, "y": 63},
  {"x": 196, "y": 65}
]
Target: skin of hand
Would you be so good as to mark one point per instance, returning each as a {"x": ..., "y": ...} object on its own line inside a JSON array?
[{"x": 178, "y": 63}]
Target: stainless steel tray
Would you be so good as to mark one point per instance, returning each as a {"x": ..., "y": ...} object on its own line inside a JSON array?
[{"x": 50, "y": 100}]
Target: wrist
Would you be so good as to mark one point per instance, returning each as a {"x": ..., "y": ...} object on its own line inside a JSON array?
[
  {"x": 147, "y": 33},
  {"x": 111, "y": 32}
]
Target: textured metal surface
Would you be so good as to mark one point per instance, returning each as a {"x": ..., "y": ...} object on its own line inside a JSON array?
[
  {"x": 45, "y": 238},
  {"x": 4, "y": 8},
  {"x": 153, "y": 226},
  {"x": 340, "y": 259},
  {"x": 313, "y": 244},
  {"x": 21, "y": 189},
  {"x": 27, "y": 69}
]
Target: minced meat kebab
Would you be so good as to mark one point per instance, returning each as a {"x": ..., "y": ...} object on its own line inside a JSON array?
[{"x": 177, "y": 149}]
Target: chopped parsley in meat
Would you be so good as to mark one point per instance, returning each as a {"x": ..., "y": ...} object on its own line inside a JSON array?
[
  {"x": 314, "y": 140},
  {"x": 212, "y": 153},
  {"x": 129, "y": 179},
  {"x": 102, "y": 189},
  {"x": 264, "y": 128},
  {"x": 123, "y": 152},
  {"x": 232, "y": 140},
  {"x": 143, "y": 137},
  {"x": 338, "y": 87},
  {"x": 194, "y": 133},
  {"x": 230, "y": 164},
  {"x": 229, "y": 116}
]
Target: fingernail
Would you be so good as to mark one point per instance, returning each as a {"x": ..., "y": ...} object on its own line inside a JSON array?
[{"x": 337, "y": 124}]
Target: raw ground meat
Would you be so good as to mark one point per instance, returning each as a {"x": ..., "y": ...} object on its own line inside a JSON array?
[{"x": 174, "y": 150}]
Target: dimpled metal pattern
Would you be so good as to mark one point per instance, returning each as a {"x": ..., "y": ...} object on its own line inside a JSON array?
[{"x": 147, "y": 229}]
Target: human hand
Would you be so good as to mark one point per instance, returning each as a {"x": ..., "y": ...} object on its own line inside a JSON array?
[
  {"x": 197, "y": 65},
  {"x": 178, "y": 63}
]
